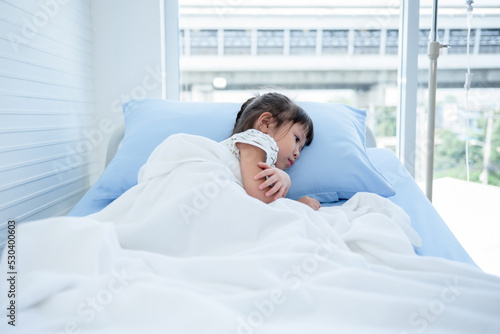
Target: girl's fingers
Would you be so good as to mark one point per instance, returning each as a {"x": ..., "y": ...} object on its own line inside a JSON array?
[
  {"x": 263, "y": 174},
  {"x": 263, "y": 165},
  {"x": 277, "y": 186},
  {"x": 280, "y": 193},
  {"x": 316, "y": 205},
  {"x": 267, "y": 183},
  {"x": 273, "y": 179}
]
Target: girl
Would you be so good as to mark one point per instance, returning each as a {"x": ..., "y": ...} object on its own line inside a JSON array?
[{"x": 268, "y": 135}]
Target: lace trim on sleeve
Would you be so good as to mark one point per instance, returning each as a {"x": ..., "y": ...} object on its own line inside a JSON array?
[{"x": 255, "y": 138}]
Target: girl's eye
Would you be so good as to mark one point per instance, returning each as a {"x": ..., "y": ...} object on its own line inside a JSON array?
[{"x": 297, "y": 139}]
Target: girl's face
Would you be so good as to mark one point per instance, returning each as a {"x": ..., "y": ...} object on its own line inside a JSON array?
[{"x": 290, "y": 142}]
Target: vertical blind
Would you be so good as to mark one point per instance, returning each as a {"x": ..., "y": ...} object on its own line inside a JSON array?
[{"x": 46, "y": 108}]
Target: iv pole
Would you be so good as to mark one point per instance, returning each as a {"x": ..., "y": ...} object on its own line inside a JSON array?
[{"x": 433, "y": 53}]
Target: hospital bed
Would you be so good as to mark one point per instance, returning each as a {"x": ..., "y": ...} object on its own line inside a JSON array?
[
  {"x": 149, "y": 121},
  {"x": 168, "y": 241}
]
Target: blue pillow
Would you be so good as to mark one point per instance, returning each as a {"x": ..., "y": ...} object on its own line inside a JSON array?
[{"x": 335, "y": 166}]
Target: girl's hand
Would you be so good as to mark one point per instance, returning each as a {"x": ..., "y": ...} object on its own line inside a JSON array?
[
  {"x": 313, "y": 203},
  {"x": 279, "y": 180}
]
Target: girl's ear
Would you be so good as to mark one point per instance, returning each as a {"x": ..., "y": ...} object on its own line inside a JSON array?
[{"x": 264, "y": 122}]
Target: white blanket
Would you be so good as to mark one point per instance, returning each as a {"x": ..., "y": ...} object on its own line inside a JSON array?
[{"x": 188, "y": 251}]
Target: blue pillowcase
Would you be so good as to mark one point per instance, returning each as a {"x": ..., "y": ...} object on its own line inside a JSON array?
[{"x": 335, "y": 166}]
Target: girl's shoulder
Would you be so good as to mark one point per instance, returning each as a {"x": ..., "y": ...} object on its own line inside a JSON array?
[{"x": 256, "y": 138}]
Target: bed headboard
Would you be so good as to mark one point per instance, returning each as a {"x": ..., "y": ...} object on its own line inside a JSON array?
[
  {"x": 370, "y": 138},
  {"x": 114, "y": 142}
]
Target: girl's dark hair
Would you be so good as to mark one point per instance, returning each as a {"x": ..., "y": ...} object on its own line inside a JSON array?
[{"x": 282, "y": 109}]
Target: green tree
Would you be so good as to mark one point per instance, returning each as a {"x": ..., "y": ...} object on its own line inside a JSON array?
[
  {"x": 449, "y": 154},
  {"x": 386, "y": 121}
]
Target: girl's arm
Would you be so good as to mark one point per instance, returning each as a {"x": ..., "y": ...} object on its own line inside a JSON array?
[
  {"x": 250, "y": 156},
  {"x": 281, "y": 181},
  {"x": 276, "y": 177}
]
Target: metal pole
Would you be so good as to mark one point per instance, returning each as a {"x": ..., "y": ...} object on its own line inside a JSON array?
[
  {"x": 433, "y": 53},
  {"x": 434, "y": 21},
  {"x": 431, "y": 121}
]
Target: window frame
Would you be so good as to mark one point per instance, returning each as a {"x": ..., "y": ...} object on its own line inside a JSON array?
[
  {"x": 170, "y": 67},
  {"x": 407, "y": 84}
]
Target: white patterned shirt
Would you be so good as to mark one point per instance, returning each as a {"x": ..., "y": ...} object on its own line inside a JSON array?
[{"x": 256, "y": 138}]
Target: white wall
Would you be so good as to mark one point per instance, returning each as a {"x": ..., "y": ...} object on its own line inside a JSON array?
[
  {"x": 127, "y": 59},
  {"x": 46, "y": 107},
  {"x": 66, "y": 66}
]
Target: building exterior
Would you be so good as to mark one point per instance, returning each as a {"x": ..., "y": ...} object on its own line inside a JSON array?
[{"x": 325, "y": 45}]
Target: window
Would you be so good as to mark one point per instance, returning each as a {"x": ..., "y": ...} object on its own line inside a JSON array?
[
  {"x": 367, "y": 41},
  {"x": 489, "y": 41},
  {"x": 181, "y": 42},
  {"x": 204, "y": 42},
  {"x": 391, "y": 43},
  {"x": 237, "y": 42},
  {"x": 270, "y": 42},
  {"x": 458, "y": 40},
  {"x": 302, "y": 42},
  {"x": 335, "y": 41},
  {"x": 255, "y": 46},
  {"x": 482, "y": 112}
]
